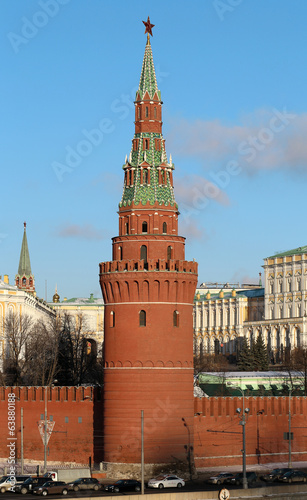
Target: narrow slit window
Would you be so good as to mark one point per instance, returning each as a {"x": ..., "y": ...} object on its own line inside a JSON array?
[
  {"x": 142, "y": 318},
  {"x": 146, "y": 112},
  {"x": 144, "y": 227},
  {"x": 176, "y": 318},
  {"x": 144, "y": 253},
  {"x": 112, "y": 319},
  {"x": 164, "y": 230}
]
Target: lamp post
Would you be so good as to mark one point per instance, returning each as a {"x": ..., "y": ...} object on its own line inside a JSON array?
[{"x": 243, "y": 419}]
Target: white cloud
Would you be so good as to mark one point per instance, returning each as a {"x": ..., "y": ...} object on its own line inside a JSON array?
[
  {"x": 86, "y": 232},
  {"x": 266, "y": 140}
]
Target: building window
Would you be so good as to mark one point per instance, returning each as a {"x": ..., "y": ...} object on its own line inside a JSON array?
[
  {"x": 139, "y": 113},
  {"x": 66, "y": 420},
  {"x": 162, "y": 177},
  {"x": 169, "y": 253},
  {"x": 145, "y": 176},
  {"x": 126, "y": 228},
  {"x": 176, "y": 318},
  {"x": 24, "y": 281},
  {"x": 164, "y": 230},
  {"x": 144, "y": 253},
  {"x": 51, "y": 418},
  {"x": 144, "y": 227},
  {"x": 120, "y": 253},
  {"x": 130, "y": 177},
  {"x": 146, "y": 144},
  {"x": 42, "y": 416},
  {"x": 142, "y": 318},
  {"x": 146, "y": 111},
  {"x": 112, "y": 319},
  {"x": 155, "y": 112},
  {"x": 79, "y": 420}
]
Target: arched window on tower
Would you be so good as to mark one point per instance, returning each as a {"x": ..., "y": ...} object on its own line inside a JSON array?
[
  {"x": 145, "y": 176},
  {"x": 112, "y": 319},
  {"x": 126, "y": 228},
  {"x": 164, "y": 230},
  {"x": 144, "y": 227},
  {"x": 24, "y": 281},
  {"x": 146, "y": 112},
  {"x": 146, "y": 144},
  {"x": 144, "y": 253},
  {"x": 142, "y": 318},
  {"x": 120, "y": 253},
  {"x": 139, "y": 113},
  {"x": 162, "y": 177},
  {"x": 176, "y": 318},
  {"x": 169, "y": 253},
  {"x": 155, "y": 112}
]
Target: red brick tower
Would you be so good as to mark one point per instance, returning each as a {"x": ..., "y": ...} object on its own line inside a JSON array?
[{"x": 148, "y": 290}]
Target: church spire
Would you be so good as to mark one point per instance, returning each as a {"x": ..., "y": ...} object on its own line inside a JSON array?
[{"x": 24, "y": 279}]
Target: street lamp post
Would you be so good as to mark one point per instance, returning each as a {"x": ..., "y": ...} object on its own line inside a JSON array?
[{"x": 243, "y": 419}]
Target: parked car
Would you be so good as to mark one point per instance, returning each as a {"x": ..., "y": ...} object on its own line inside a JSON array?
[
  {"x": 123, "y": 485},
  {"x": 166, "y": 481},
  {"x": 275, "y": 474},
  {"x": 51, "y": 488},
  {"x": 237, "y": 479},
  {"x": 11, "y": 482},
  {"x": 221, "y": 478},
  {"x": 85, "y": 483},
  {"x": 30, "y": 483},
  {"x": 294, "y": 476}
]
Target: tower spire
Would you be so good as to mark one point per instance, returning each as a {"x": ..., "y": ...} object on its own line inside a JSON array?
[{"x": 24, "y": 279}]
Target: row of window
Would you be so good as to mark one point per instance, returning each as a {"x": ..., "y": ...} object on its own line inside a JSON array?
[
  {"x": 145, "y": 177},
  {"x": 147, "y": 113},
  {"x": 146, "y": 144},
  {"x": 289, "y": 286},
  {"x": 143, "y": 252},
  {"x": 145, "y": 227},
  {"x": 143, "y": 319}
]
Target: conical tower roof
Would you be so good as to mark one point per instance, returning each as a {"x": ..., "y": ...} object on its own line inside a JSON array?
[
  {"x": 148, "y": 80},
  {"x": 24, "y": 267}
]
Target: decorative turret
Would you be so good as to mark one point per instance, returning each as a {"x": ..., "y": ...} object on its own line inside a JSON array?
[
  {"x": 25, "y": 279},
  {"x": 56, "y": 297}
]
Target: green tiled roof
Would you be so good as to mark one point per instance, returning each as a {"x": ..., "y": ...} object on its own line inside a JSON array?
[
  {"x": 296, "y": 251},
  {"x": 153, "y": 158},
  {"x": 148, "y": 79},
  {"x": 24, "y": 268}
]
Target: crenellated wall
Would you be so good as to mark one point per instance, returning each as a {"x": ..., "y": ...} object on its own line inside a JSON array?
[
  {"x": 74, "y": 416},
  {"x": 218, "y": 433}
]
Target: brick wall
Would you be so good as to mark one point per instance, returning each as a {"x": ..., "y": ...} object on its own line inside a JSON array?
[
  {"x": 218, "y": 435},
  {"x": 74, "y": 412}
]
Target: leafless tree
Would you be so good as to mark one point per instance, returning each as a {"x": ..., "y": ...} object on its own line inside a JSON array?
[{"x": 18, "y": 330}]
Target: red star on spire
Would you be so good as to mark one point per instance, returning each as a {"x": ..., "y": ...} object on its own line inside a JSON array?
[{"x": 148, "y": 26}]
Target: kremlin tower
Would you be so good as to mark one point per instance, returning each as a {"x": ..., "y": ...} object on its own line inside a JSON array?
[
  {"x": 25, "y": 279},
  {"x": 148, "y": 289}
]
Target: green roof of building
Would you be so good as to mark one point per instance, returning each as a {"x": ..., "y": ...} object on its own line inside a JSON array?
[
  {"x": 148, "y": 79},
  {"x": 154, "y": 157},
  {"x": 24, "y": 268},
  {"x": 295, "y": 251}
]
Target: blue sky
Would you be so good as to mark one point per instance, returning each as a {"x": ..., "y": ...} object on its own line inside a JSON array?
[{"x": 233, "y": 77}]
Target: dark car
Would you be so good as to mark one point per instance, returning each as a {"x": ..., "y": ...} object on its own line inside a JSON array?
[
  {"x": 275, "y": 474},
  {"x": 251, "y": 478},
  {"x": 294, "y": 476},
  {"x": 221, "y": 478},
  {"x": 51, "y": 488},
  {"x": 85, "y": 483},
  {"x": 29, "y": 484},
  {"x": 123, "y": 485}
]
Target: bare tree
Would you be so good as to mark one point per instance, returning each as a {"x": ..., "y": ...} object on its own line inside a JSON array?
[
  {"x": 42, "y": 354},
  {"x": 18, "y": 329}
]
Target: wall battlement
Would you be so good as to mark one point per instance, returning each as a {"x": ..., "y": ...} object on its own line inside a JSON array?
[{"x": 116, "y": 266}]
